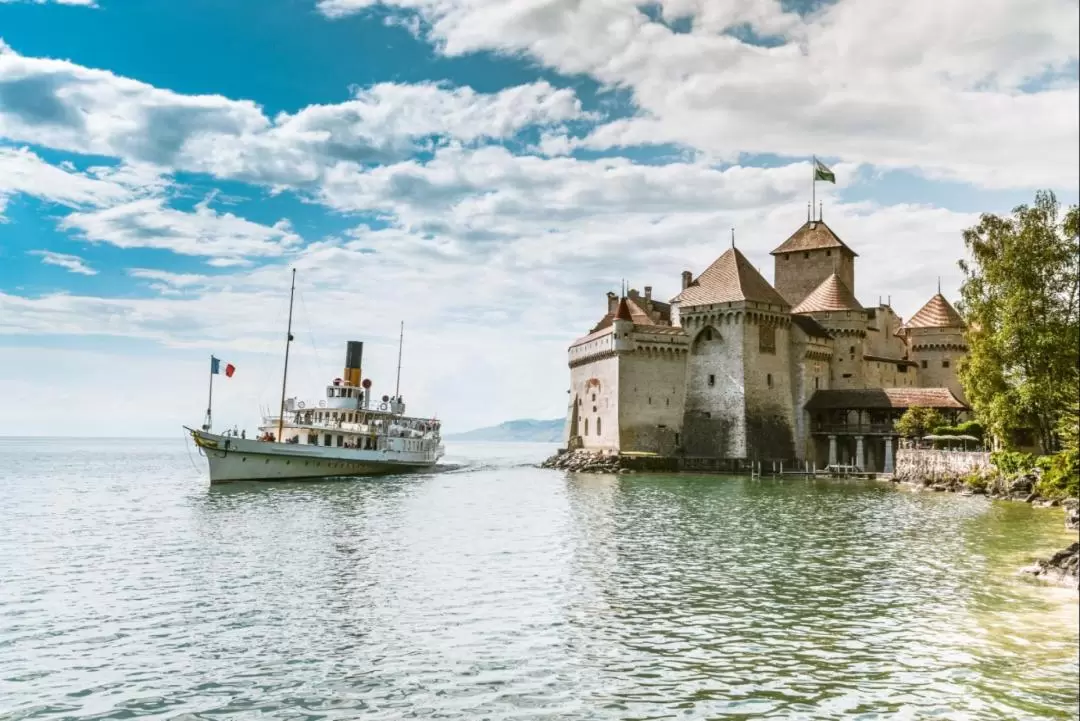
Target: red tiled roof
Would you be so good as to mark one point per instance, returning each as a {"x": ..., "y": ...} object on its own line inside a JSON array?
[
  {"x": 831, "y": 295},
  {"x": 937, "y": 313},
  {"x": 813, "y": 235},
  {"x": 884, "y": 398},
  {"x": 627, "y": 310},
  {"x": 730, "y": 278}
]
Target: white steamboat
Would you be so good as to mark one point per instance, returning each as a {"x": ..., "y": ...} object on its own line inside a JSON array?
[{"x": 344, "y": 434}]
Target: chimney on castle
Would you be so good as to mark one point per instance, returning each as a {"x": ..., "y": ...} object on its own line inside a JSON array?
[
  {"x": 687, "y": 278},
  {"x": 612, "y": 302},
  {"x": 648, "y": 292}
]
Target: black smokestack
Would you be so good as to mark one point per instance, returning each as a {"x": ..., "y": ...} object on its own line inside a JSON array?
[{"x": 354, "y": 354}]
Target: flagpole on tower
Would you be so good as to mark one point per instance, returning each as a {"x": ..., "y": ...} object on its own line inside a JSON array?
[{"x": 813, "y": 183}]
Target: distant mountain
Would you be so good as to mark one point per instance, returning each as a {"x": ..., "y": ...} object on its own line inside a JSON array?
[{"x": 521, "y": 431}]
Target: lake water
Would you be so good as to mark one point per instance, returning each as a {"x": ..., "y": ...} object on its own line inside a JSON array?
[{"x": 496, "y": 590}]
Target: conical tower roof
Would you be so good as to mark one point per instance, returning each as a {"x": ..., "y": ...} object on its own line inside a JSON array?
[
  {"x": 937, "y": 313},
  {"x": 831, "y": 295},
  {"x": 623, "y": 311},
  {"x": 730, "y": 278},
  {"x": 812, "y": 235}
]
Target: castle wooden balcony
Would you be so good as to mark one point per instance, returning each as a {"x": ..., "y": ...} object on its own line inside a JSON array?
[{"x": 853, "y": 429}]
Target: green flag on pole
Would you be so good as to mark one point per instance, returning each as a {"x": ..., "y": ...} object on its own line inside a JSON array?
[{"x": 821, "y": 172}]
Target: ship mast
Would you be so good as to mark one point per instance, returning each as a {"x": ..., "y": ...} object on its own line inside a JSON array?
[
  {"x": 401, "y": 342},
  {"x": 285, "y": 373}
]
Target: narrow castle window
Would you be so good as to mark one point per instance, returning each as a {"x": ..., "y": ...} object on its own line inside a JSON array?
[
  {"x": 806, "y": 254},
  {"x": 768, "y": 379},
  {"x": 828, "y": 253},
  {"x": 586, "y": 427},
  {"x": 817, "y": 383},
  {"x": 767, "y": 338},
  {"x": 712, "y": 380},
  {"x": 924, "y": 364},
  {"x": 787, "y": 256},
  {"x": 598, "y": 425}
]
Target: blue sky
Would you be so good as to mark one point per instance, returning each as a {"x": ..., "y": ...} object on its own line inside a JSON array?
[{"x": 484, "y": 171}]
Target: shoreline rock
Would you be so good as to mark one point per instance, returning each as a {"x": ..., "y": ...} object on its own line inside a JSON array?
[
  {"x": 1020, "y": 488},
  {"x": 1062, "y": 569},
  {"x": 581, "y": 461}
]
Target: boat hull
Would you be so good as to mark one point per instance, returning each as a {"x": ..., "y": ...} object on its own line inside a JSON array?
[{"x": 235, "y": 459}]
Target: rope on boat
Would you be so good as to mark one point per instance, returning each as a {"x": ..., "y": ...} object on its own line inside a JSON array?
[{"x": 187, "y": 437}]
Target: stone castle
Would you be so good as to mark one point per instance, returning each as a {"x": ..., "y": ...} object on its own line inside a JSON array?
[{"x": 734, "y": 370}]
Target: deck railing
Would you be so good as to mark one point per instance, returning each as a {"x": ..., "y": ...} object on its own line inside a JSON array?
[{"x": 854, "y": 429}]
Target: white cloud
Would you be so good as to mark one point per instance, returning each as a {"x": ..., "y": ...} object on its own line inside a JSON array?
[
  {"x": 493, "y": 297},
  {"x": 73, "y": 263},
  {"x": 23, "y": 171},
  {"x": 62, "y": 105},
  {"x": 149, "y": 223},
  {"x": 941, "y": 91}
]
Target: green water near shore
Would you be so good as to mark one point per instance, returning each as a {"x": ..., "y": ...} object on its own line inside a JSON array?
[{"x": 494, "y": 589}]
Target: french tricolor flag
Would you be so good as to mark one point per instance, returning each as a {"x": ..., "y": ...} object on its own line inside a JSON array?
[{"x": 215, "y": 367}]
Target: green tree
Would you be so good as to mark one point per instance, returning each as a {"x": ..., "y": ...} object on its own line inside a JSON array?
[
  {"x": 918, "y": 422},
  {"x": 1021, "y": 301}
]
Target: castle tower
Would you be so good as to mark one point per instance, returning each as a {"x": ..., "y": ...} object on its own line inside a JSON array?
[
  {"x": 627, "y": 379},
  {"x": 935, "y": 339},
  {"x": 834, "y": 306},
  {"x": 738, "y": 400},
  {"x": 808, "y": 257}
]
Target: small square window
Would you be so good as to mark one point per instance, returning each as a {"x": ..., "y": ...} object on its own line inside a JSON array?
[
  {"x": 806, "y": 254},
  {"x": 944, "y": 364},
  {"x": 924, "y": 364},
  {"x": 828, "y": 253}
]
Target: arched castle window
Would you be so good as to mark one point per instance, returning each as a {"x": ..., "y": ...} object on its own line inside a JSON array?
[{"x": 707, "y": 335}]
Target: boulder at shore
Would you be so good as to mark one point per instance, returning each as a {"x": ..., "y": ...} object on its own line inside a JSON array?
[
  {"x": 1063, "y": 568},
  {"x": 584, "y": 462}
]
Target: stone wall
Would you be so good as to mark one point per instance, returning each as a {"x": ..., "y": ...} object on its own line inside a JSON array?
[
  {"x": 714, "y": 424},
  {"x": 767, "y": 381},
  {"x": 882, "y": 374},
  {"x": 917, "y": 466},
  {"x": 652, "y": 387},
  {"x": 594, "y": 386},
  {"x": 881, "y": 336}
]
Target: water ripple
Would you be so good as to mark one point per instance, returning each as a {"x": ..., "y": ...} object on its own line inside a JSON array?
[{"x": 497, "y": 590}]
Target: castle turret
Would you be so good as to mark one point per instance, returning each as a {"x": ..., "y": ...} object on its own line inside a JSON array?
[
  {"x": 834, "y": 306},
  {"x": 935, "y": 339},
  {"x": 623, "y": 323},
  {"x": 808, "y": 257}
]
